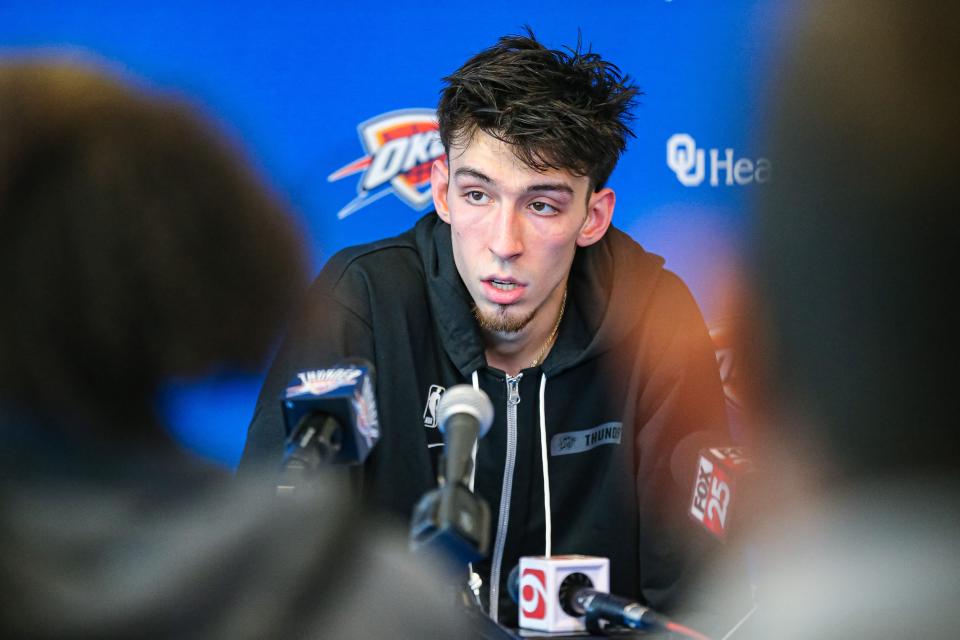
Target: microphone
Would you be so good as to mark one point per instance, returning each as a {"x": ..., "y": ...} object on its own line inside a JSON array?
[
  {"x": 584, "y": 601},
  {"x": 330, "y": 418},
  {"x": 464, "y": 415},
  {"x": 451, "y": 518},
  {"x": 716, "y": 475},
  {"x": 542, "y": 586},
  {"x": 569, "y": 593}
]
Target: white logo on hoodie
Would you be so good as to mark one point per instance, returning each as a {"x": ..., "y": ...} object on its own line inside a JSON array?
[{"x": 430, "y": 411}]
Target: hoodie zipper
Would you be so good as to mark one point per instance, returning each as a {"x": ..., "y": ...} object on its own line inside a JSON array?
[{"x": 503, "y": 521}]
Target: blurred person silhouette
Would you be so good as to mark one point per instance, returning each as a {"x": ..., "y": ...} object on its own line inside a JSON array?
[
  {"x": 856, "y": 333},
  {"x": 137, "y": 246}
]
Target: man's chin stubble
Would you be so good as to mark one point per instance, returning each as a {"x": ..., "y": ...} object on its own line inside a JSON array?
[{"x": 501, "y": 321}]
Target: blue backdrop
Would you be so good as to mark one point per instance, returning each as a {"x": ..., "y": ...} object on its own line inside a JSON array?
[{"x": 294, "y": 83}]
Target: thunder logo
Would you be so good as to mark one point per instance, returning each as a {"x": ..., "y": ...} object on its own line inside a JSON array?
[
  {"x": 401, "y": 146},
  {"x": 323, "y": 381}
]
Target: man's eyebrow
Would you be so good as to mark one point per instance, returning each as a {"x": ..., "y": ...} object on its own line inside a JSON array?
[
  {"x": 472, "y": 173},
  {"x": 551, "y": 186},
  {"x": 562, "y": 187}
]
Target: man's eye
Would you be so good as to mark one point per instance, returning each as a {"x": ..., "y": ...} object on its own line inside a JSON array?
[
  {"x": 477, "y": 196},
  {"x": 543, "y": 208}
]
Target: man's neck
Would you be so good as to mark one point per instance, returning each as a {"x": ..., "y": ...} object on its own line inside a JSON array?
[{"x": 516, "y": 351}]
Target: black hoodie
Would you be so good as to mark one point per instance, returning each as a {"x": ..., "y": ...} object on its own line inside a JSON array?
[{"x": 632, "y": 372}]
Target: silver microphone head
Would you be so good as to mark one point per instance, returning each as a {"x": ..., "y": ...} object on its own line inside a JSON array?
[{"x": 465, "y": 399}]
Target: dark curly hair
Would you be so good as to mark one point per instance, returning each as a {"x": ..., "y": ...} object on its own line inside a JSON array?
[
  {"x": 566, "y": 110},
  {"x": 136, "y": 245}
]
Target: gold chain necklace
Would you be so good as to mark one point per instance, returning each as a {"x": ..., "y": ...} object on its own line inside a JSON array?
[{"x": 553, "y": 334}]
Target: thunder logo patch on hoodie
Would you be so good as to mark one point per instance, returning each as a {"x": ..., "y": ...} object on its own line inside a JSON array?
[{"x": 579, "y": 441}]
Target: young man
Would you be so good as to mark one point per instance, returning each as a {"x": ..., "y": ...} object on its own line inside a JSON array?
[{"x": 596, "y": 359}]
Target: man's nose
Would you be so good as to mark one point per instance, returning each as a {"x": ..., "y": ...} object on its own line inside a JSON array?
[{"x": 506, "y": 242}]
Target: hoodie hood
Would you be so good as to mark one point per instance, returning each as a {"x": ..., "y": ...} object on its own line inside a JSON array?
[{"x": 609, "y": 288}]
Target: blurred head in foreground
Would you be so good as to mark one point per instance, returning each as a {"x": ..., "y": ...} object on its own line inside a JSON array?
[
  {"x": 856, "y": 259},
  {"x": 857, "y": 240},
  {"x": 136, "y": 245}
]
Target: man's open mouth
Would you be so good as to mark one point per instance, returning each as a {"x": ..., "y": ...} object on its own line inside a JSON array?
[{"x": 503, "y": 286}]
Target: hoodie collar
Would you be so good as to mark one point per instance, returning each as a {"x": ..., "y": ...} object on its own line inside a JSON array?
[
  {"x": 450, "y": 302},
  {"x": 609, "y": 287}
]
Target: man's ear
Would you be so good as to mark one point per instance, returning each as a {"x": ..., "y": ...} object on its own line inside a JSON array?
[
  {"x": 599, "y": 214},
  {"x": 439, "y": 184}
]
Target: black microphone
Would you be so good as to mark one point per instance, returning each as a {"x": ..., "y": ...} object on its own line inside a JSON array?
[
  {"x": 451, "y": 518},
  {"x": 330, "y": 418},
  {"x": 584, "y": 601},
  {"x": 719, "y": 477},
  {"x": 577, "y": 597}
]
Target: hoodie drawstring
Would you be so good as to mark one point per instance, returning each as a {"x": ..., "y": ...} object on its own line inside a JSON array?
[
  {"x": 547, "y": 516},
  {"x": 473, "y": 457},
  {"x": 474, "y": 581}
]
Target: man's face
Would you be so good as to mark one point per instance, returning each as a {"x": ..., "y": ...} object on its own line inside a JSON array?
[{"x": 514, "y": 230}]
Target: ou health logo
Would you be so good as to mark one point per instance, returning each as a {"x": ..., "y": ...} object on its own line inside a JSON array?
[
  {"x": 401, "y": 147},
  {"x": 533, "y": 594},
  {"x": 690, "y": 164}
]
